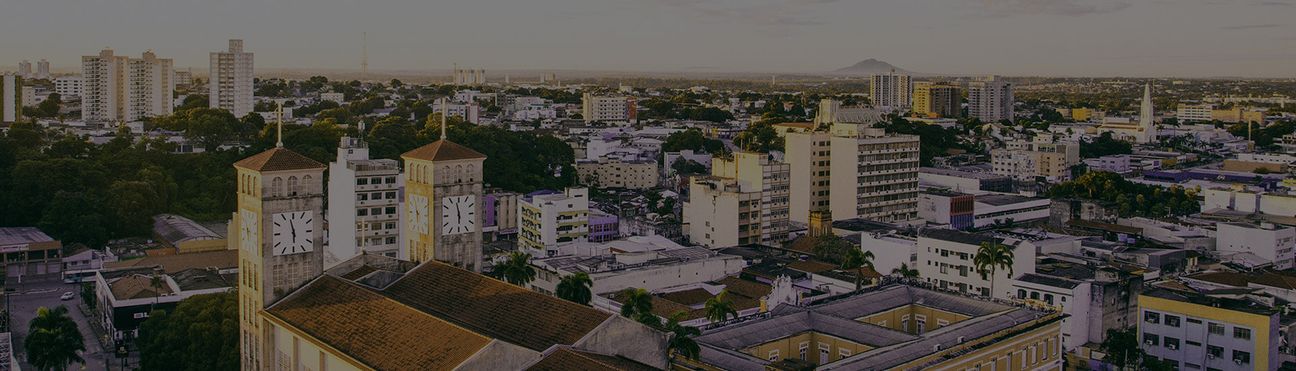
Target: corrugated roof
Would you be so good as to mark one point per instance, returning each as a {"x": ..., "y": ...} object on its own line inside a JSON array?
[
  {"x": 443, "y": 150},
  {"x": 175, "y": 229},
  {"x": 12, "y": 236},
  {"x": 170, "y": 264},
  {"x": 395, "y": 336},
  {"x": 494, "y": 308},
  {"x": 137, "y": 286},
  {"x": 278, "y": 159}
]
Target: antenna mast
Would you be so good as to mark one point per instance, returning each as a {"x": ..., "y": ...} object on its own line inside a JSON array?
[{"x": 364, "y": 55}]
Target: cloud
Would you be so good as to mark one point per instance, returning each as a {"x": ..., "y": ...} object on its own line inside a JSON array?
[
  {"x": 1251, "y": 27},
  {"x": 1050, "y": 7},
  {"x": 771, "y": 15}
]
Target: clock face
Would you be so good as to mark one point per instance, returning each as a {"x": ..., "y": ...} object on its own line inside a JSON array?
[
  {"x": 458, "y": 215},
  {"x": 418, "y": 213},
  {"x": 293, "y": 233},
  {"x": 248, "y": 237}
]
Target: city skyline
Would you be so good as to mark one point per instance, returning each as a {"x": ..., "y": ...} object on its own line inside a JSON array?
[{"x": 1012, "y": 37}]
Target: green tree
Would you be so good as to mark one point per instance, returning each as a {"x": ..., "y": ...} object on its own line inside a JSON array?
[
  {"x": 1122, "y": 348},
  {"x": 857, "y": 260},
  {"x": 132, "y": 205},
  {"x": 517, "y": 269},
  {"x": 53, "y": 340},
  {"x": 682, "y": 342},
  {"x": 990, "y": 257},
  {"x": 719, "y": 308},
  {"x": 49, "y": 108},
  {"x": 200, "y": 334},
  {"x": 1104, "y": 145},
  {"x": 903, "y": 271},
  {"x": 832, "y": 248},
  {"x": 576, "y": 288},
  {"x": 759, "y": 137},
  {"x": 75, "y": 218},
  {"x": 192, "y": 101},
  {"x": 637, "y": 304},
  {"x": 391, "y": 137}
]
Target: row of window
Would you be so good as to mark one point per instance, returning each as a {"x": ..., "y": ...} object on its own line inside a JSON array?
[
  {"x": 376, "y": 211},
  {"x": 376, "y": 180},
  {"x": 1212, "y": 352},
  {"x": 1214, "y": 328},
  {"x": 376, "y": 196}
]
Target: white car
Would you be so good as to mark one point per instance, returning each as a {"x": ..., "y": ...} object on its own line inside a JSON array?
[{"x": 66, "y": 296}]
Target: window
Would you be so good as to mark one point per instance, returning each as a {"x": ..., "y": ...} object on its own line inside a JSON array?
[
  {"x": 1048, "y": 298},
  {"x": 1021, "y": 294},
  {"x": 1035, "y": 295},
  {"x": 1151, "y": 339},
  {"x": 805, "y": 347},
  {"x": 362, "y": 181},
  {"x": 1241, "y": 333},
  {"x": 1192, "y": 343},
  {"x": 1214, "y": 351},
  {"x": 1171, "y": 343},
  {"x": 1241, "y": 356},
  {"x": 774, "y": 355},
  {"x": 1194, "y": 320},
  {"x": 391, "y": 210},
  {"x": 362, "y": 212},
  {"x": 843, "y": 353},
  {"x": 1215, "y": 328},
  {"x": 1172, "y": 321},
  {"x": 1152, "y": 317},
  {"x": 391, "y": 180}
]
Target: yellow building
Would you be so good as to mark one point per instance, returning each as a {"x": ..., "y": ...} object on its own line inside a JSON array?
[
  {"x": 1081, "y": 114},
  {"x": 936, "y": 100},
  {"x": 1188, "y": 329},
  {"x": 893, "y": 327},
  {"x": 378, "y": 313},
  {"x": 280, "y": 220},
  {"x": 637, "y": 174},
  {"x": 443, "y": 193}
]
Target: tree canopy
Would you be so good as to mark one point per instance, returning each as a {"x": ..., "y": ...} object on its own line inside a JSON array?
[
  {"x": 1104, "y": 145},
  {"x": 1131, "y": 199},
  {"x": 200, "y": 334}
]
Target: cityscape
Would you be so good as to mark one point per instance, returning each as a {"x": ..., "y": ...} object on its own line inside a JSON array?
[{"x": 251, "y": 206}]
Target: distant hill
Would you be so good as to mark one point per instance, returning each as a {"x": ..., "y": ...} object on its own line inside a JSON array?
[{"x": 870, "y": 67}]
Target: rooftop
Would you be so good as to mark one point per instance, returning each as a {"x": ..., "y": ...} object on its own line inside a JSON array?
[
  {"x": 15, "y": 236},
  {"x": 278, "y": 159},
  {"x": 570, "y": 359},
  {"x": 957, "y": 236},
  {"x": 1184, "y": 296},
  {"x": 443, "y": 150},
  {"x": 175, "y": 229},
  {"x": 1004, "y": 199},
  {"x": 138, "y": 286},
  {"x": 170, "y": 264}
]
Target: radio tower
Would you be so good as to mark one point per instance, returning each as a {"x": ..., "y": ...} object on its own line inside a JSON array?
[{"x": 364, "y": 55}]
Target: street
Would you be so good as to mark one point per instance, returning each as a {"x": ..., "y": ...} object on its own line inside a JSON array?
[{"x": 31, "y": 295}]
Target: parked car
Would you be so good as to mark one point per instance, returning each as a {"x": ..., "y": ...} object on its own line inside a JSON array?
[{"x": 67, "y": 296}]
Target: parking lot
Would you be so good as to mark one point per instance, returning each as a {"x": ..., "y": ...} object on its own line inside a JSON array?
[{"x": 28, "y": 296}]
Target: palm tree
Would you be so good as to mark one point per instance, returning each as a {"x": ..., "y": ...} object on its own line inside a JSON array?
[
  {"x": 638, "y": 302},
  {"x": 905, "y": 272},
  {"x": 991, "y": 256},
  {"x": 857, "y": 259},
  {"x": 576, "y": 288},
  {"x": 682, "y": 342},
  {"x": 53, "y": 340},
  {"x": 155, "y": 281},
  {"x": 517, "y": 269},
  {"x": 720, "y": 308}
]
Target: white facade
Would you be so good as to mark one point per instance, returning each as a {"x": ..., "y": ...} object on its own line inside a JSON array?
[
  {"x": 744, "y": 202},
  {"x": 1249, "y": 202},
  {"x": 890, "y": 251},
  {"x": 945, "y": 261},
  {"x": 230, "y": 80},
  {"x": 1119, "y": 164},
  {"x": 25, "y": 69},
  {"x": 547, "y": 222},
  {"x": 1267, "y": 241},
  {"x": 1194, "y": 112},
  {"x": 989, "y": 209},
  {"x": 1028, "y": 160},
  {"x": 1071, "y": 297},
  {"x": 10, "y": 98},
  {"x": 809, "y": 156},
  {"x": 364, "y": 211},
  {"x": 990, "y": 99},
  {"x": 634, "y": 262},
  {"x": 338, "y": 98},
  {"x": 874, "y": 175},
  {"x": 118, "y": 88},
  {"x": 891, "y": 92},
  {"x": 42, "y": 69},
  {"x": 68, "y": 86},
  {"x": 610, "y": 109},
  {"x": 470, "y": 112}
]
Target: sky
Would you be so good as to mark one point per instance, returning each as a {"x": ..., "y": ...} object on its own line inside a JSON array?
[{"x": 1137, "y": 38}]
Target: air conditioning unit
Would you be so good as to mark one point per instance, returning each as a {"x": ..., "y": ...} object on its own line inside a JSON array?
[
  {"x": 1237, "y": 361},
  {"x": 1210, "y": 356},
  {"x": 1174, "y": 347},
  {"x": 1149, "y": 342}
]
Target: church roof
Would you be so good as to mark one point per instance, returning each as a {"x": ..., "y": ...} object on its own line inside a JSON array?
[
  {"x": 494, "y": 308},
  {"x": 569, "y": 359},
  {"x": 278, "y": 159},
  {"x": 443, "y": 150},
  {"x": 395, "y": 336}
]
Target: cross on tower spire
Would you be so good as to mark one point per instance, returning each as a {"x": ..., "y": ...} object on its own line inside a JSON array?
[{"x": 279, "y": 123}]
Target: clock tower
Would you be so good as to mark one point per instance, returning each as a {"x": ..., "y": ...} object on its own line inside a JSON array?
[
  {"x": 443, "y": 196},
  {"x": 280, "y": 224}
]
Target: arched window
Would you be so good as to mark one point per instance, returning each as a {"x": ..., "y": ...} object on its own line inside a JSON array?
[
  {"x": 446, "y": 176},
  {"x": 276, "y": 186},
  {"x": 458, "y": 173},
  {"x": 472, "y": 170},
  {"x": 306, "y": 184},
  {"x": 292, "y": 186}
]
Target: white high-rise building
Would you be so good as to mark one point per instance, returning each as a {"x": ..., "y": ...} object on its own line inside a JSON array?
[
  {"x": 230, "y": 80},
  {"x": 118, "y": 88},
  {"x": 24, "y": 69},
  {"x": 891, "y": 92},
  {"x": 364, "y": 204},
  {"x": 873, "y": 174},
  {"x": 11, "y": 91},
  {"x": 42, "y": 69},
  {"x": 68, "y": 86},
  {"x": 743, "y": 202},
  {"x": 990, "y": 99},
  {"x": 609, "y": 109},
  {"x": 548, "y": 221}
]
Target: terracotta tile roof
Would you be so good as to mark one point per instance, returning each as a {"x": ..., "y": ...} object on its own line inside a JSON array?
[
  {"x": 278, "y": 159},
  {"x": 568, "y": 359},
  {"x": 395, "y": 336},
  {"x": 754, "y": 290},
  {"x": 137, "y": 286},
  {"x": 171, "y": 264},
  {"x": 495, "y": 308},
  {"x": 813, "y": 266},
  {"x": 688, "y": 297},
  {"x": 442, "y": 150}
]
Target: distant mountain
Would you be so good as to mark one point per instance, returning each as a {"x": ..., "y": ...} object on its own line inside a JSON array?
[{"x": 870, "y": 67}]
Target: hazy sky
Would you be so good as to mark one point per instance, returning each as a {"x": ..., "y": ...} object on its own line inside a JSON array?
[{"x": 1010, "y": 37}]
